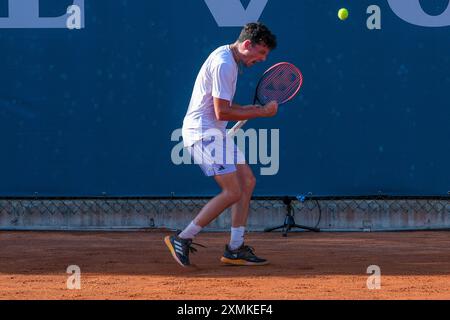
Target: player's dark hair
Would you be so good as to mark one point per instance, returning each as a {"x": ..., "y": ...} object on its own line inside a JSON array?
[{"x": 258, "y": 33}]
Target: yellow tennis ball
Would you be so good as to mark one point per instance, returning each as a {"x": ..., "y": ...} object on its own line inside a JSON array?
[{"x": 343, "y": 14}]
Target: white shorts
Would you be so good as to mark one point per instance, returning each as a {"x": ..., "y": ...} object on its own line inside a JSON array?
[{"x": 216, "y": 155}]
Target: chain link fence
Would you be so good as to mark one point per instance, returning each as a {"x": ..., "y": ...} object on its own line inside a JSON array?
[{"x": 327, "y": 213}]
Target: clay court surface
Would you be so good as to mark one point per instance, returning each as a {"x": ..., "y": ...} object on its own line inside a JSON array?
[{"x": 137, "y": 265}]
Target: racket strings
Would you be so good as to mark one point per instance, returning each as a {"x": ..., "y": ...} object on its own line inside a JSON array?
[
  {"x": 286, "y": 85},
  {"x": 271, "y": 74},
  {"x": 280, "y": 83},
  {"x": 278, "y": 90}
]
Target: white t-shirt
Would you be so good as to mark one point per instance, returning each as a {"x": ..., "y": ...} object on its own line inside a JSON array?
[{"x": 217, "y": 78}]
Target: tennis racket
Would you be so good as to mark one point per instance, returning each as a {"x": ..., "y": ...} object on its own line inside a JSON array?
[{"x": 280, "y": 83}]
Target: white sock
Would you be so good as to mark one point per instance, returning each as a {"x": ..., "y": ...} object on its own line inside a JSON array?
[
  {"x": 237, "y": 238},
  {"x": 191, "y": 231}
]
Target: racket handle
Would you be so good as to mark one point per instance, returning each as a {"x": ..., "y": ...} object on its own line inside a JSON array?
[{"x": 236, "y": 128}]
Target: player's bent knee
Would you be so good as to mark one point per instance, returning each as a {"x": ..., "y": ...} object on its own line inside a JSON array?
[
  {"x": 250, "y": 183},
  {"x": 233, "y": 196}
]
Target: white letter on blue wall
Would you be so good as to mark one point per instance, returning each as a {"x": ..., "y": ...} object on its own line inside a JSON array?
[
  {"x": 25, "y": 14},
  {"x": 374, "y": 20},
  {"x": 231, "y": 13},
  {"x": 411, "y": 11}
]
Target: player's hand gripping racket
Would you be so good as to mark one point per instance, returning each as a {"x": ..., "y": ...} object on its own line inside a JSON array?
[{"x": 280, "y": 83}]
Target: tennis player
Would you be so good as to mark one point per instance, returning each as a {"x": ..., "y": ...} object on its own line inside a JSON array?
[{"x": 204, "y": 134}]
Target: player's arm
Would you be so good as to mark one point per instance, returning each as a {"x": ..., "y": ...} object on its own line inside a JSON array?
[
  {"x": 225, "y": 111},
  {"x": 238, "y": 106}
]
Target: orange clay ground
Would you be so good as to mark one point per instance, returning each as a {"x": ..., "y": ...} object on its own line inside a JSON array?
[{"x": 137, "y": 265}]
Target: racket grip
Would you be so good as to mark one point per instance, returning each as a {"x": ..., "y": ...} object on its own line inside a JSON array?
[{"x": 236, "y": 128}]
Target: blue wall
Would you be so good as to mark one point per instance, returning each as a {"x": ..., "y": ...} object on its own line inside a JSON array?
[{"x": 91, "y": 111}]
